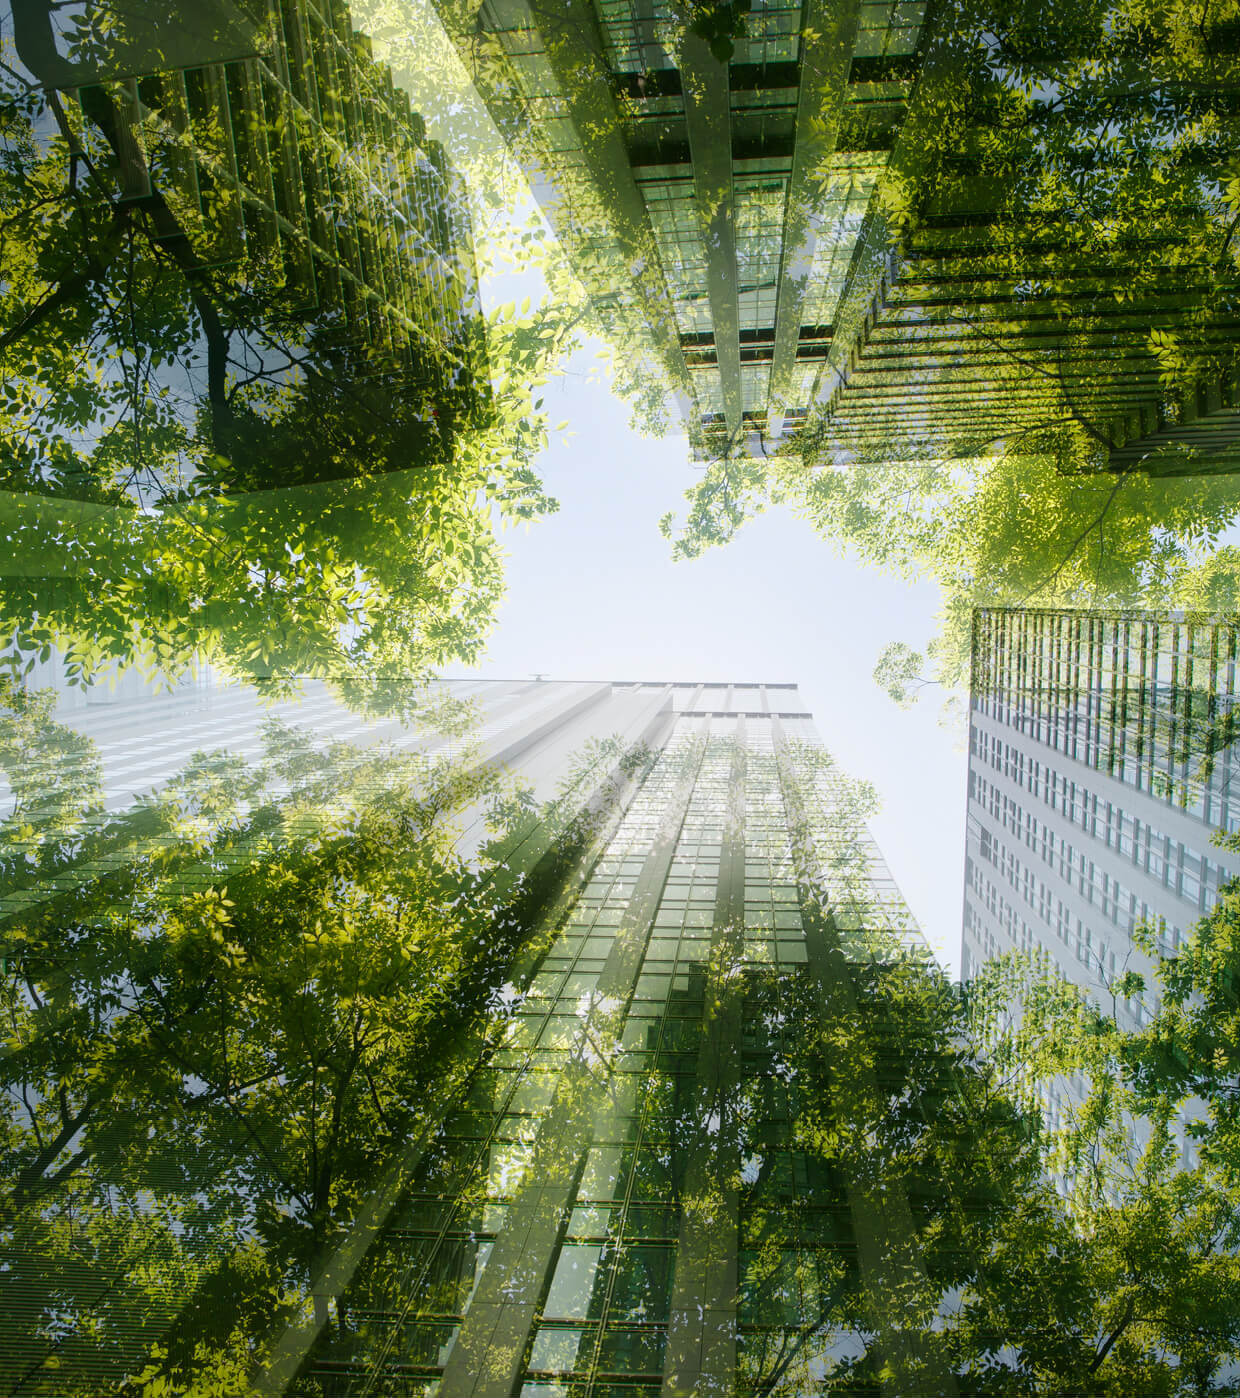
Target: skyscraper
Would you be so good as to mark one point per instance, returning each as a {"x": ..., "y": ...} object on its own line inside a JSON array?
[
  {"x": 311, "y": 334},
  {"x": 599, "y": 1204},
  {"x": 962, "y": 346},
  {"x": 715, "y": 190},
  {"x": 278, "y": 160},
  {"x": 874, "y": 218},
  {"x": 1102, "y": 759},
  {"x": 608, "y": 1181}
]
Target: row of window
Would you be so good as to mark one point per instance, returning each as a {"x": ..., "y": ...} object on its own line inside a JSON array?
[
  {"x": 603, "y": 1320},
  {"x": 1187, "y": 873},
  {"x": 1100, "y": 961},
  {"x": 1150, "y": 700}
]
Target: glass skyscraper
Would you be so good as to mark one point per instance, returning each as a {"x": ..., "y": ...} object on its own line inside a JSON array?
[
  {"x": 1102, "y": 761},
  {"x": 284, "y": 153},
  {"x": 809, "y": 214},
  {"x": 607, "y": 1194},
  {"x": 598, "y": 1206},
  {"x": 723, "y": 214}
]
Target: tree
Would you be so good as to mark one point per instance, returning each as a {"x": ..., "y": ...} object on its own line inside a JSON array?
[
  {"x": 899, "y": 667},
  {"x": 996, "y": 531},
  {"x": 980, "y": 1277},
  {"x": 1061, "y": 225},
  {"x": 926, "y": 1241},
  {"x": 1163, "y": 1236},
  {"x": 225, "y": 1013},
  {"x": 1190, "y": 1049},
  {"x": 266, "y": 480}
]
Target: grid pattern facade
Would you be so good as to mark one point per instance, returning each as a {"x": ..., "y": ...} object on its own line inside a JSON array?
[
  {"x": 957, "y": 352},
  {"x": 990, "y": 317},
  {"x": 607, "y": 1194},
  {"x": 305, "y": 166},
  {"x": 1148, "y": 699},
  {"x": 547, "y": 1245},
  {"x": 1101, "y": 762},
  {"x": 687, "y": 190}
]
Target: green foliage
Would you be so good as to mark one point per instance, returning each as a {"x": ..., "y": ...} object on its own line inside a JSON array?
[
  {"x": 224, "y": 1013},
  {"x": 720, "y": 25},
  {"x": 1095, "y": 141},
  {"x": 732, "y": 489},
  {"x": 900, "y": 666},
  {"x": 1191, "y": 1048},
  {"x": 962, "y": 1268},
  {"x": 1063, "y": 224},
  {"x": 1160, "y": 1239},
  {"x": 196, "y": 465},
  {"x": 995, "y": 531}
]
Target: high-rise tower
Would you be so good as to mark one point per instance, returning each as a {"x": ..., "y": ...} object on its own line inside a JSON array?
[
  {"x": 1102, "y": 760},
  {"x": 613, "y": 1178},
  {"x": 278, "y": 159},
  {"x": 875, "y": 219},
  {"x": 715, "y": 187},
  {"x": 599, "y": 1206}
]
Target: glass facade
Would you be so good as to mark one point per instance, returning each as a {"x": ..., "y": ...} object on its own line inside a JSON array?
[
  {"x": 607, "y": 1187},
  {"x": 1102, "y": 759},
  {"x": 1101, "y": 762},
  {"x": 616, "y": 1204},
  {"x": 1148, "y": 699},
  {"x": 691, "y": 196},
  {"x": 376, "y": 231},
  {"x": 980, "y": 325}
]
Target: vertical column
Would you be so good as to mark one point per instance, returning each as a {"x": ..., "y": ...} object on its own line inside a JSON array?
[
  {"x": 290, "y": 1347},
  {"x": 489, "y": 1353},
  {"x": 575, "y": 54},
  {"x": 828, "y": 37},
  {"x": 701, "y": 1342},
  {"x": 887, "y": 1250},
  {"x": 708, "y": 116}
]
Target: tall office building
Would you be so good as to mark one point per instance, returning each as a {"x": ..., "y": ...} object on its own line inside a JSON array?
[
  {"x": 966, "y": 341},
  {"x": 277, "y": 159},
  {"x": 716, "y": 192},
  {"x": 1102, "y": 759},
  {"x": 830, "y": 215},
  {"x": 1011, "y": 295},
  {"x": 591, "y": 1212},
  {"x": 595, "y": 1194}
]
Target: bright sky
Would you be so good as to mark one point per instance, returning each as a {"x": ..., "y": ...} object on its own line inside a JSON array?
[{"x": 593, "y": 594}]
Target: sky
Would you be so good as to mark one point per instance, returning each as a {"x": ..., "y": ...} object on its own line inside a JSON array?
[{"x": 593, "y": 594}]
